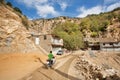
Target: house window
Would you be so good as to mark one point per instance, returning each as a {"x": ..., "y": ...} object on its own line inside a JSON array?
[
  {"x": 45, "y": 37},
  {"x": 111, "y": 43}
]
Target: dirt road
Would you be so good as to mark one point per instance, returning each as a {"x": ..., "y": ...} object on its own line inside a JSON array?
[
  {"x": 76, "y": 66},
  {"x": 58, "y": 72}
]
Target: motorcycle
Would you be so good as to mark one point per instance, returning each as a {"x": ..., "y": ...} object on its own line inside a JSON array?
[{"x": 50, "y": 63}]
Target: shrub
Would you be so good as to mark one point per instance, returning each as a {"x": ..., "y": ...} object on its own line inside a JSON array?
[
  {"x": 94, "y": 34},
  {"x": 9, "y": 4},
  {"x": 71, "y": 35},
  {"x": 17, "y": 9},
  {"x": 25, "y": 22}
]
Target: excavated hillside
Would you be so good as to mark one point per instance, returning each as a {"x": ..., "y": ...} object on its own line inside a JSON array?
[{"x": 14, "y": 37}]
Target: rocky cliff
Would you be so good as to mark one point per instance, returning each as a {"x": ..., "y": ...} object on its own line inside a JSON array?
[{"x": 14, "y": 37}]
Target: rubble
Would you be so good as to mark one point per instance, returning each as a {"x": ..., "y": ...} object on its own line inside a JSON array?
[{"x": 92, "y": 71}]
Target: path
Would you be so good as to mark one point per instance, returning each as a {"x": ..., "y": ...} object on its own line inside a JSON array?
[{"x": 59, "y": 72}]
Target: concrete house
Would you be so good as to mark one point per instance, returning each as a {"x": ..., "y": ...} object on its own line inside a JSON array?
[
  {"x": 92, "y": 43},
  {"x": 103, "y": 44},
  {"x": 109, "y": 45},
  {"x": 57, "y": 44},
  {"x": 48, "y": 42}
]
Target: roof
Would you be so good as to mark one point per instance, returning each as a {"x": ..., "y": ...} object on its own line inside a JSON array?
[
  {"x": 107, "y": 40},
  {"x": 101, "y": 40}
]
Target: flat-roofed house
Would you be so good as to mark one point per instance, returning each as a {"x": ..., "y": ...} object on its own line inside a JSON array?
[
  {"x": 47, "y": 42},
  {"x": 92, "y": 43},
  {"x": 103, "y": 44},
  {"x": 108, "y": 44},
  {"x": 57, "y": 44}
]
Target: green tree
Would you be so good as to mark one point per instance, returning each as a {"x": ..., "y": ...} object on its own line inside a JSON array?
[
  {"x": 69, "y": 32},
  {"x": 17, "y": 9},
  {"x": 103, "y": 26},
  {"x": 85, "y": 24},
  {"x": 94, "y": 34},
  {"x": 2, "y": 1},
  {"x": 9, "y": 4}
]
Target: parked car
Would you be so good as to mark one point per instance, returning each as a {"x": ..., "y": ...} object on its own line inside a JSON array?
[{"x": 60, "y": 52}]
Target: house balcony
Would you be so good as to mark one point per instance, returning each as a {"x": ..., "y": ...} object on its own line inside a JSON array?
[
  {"x": 94, "y": 44},
  {"x": 55, "y": 42}
]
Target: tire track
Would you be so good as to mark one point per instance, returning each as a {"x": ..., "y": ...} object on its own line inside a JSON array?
[{"x": 60, "y": 73}]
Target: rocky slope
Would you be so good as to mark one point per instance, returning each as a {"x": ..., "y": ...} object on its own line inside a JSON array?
[
  {"x": 46, "y": 25},
  {"x": 14, "y": 37},
  {"x": 113, "y": 31}
]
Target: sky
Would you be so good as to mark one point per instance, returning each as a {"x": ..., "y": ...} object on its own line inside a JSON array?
[{"x": 35, "y": 9}]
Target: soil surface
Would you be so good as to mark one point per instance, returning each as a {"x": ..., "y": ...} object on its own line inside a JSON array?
[
  {"x": 60, "y": 71},
  {"x": 33, "y": 66},
  {"x": 16, "y": 66}
]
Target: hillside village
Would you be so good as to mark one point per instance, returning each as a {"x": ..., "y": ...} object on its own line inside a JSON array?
[
  {"x": 45, "y": 27},
  {"x": 25, "y": 44}
]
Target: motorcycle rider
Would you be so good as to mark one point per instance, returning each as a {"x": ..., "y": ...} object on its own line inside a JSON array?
[{"x": 50, "y": 58}]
